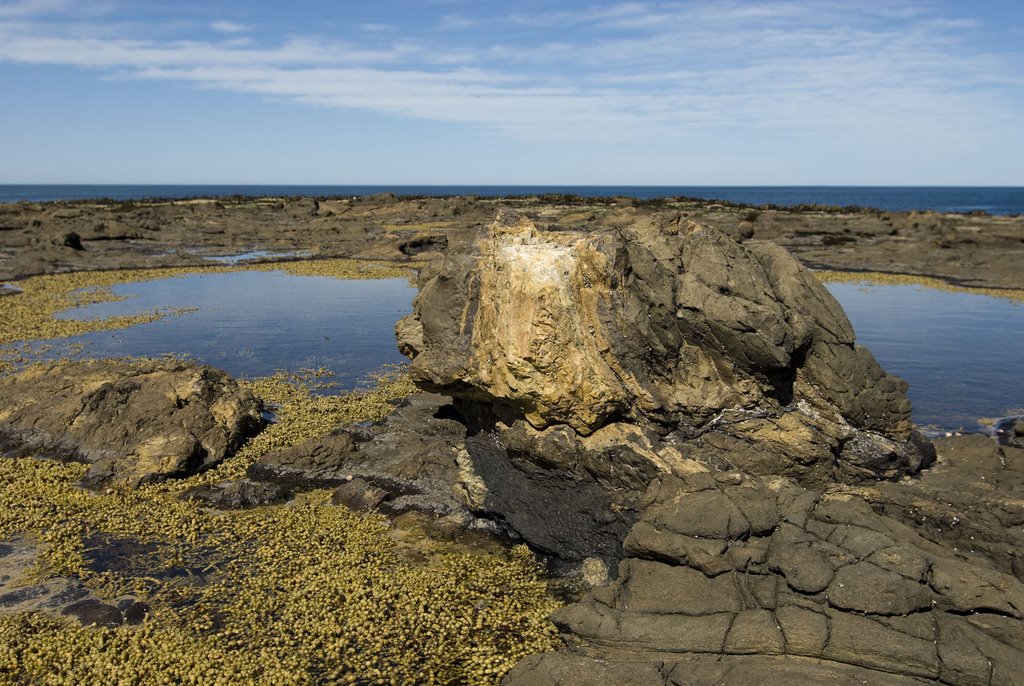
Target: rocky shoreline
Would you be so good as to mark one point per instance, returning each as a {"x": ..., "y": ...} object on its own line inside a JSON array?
[
  {"x": 656, "y": 398},
  {"x": 975, "y": 250}
]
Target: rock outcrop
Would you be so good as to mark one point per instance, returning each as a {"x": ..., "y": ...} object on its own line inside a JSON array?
[
  {"x": 726, "y": 570},
  {"x": 132, "y": 422},
  {"x": 692, "y": 418},
  {"x": 731, "y": 353},
  {"x": 414, "y": 460}
]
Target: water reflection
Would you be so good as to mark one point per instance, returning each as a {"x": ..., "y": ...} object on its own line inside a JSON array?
[
  {"x": 253, "y": 323},
  {"x": 960, "y": 352}
]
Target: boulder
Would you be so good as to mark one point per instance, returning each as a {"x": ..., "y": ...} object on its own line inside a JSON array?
[
  {"x": 133, "y": 422},
  {"x": 733, "y": 354}
]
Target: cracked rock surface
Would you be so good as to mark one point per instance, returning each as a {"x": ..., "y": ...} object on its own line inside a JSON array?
[{"x": 737, "y": 579}]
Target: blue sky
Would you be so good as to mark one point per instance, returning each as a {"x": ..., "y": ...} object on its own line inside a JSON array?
[{"x": 701, "y": 92}]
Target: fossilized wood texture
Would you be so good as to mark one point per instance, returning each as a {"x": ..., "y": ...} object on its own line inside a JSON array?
[{"x": 734, "y": 352}]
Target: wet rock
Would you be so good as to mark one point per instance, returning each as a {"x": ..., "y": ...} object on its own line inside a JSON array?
[
  {"x": 94, "y": 613},
  {"x": 1014, "y": 433},
  {"x": 22, "y": 595},
  {"x": 136, "y": 613},
  {"x": 133, "y": 422},
  {"x": 831, "y": 587},
  {"x": 407, "y": 462},
  {"x": 21, "y": 590},
  {"x": 733, "y": 354},
  {"x": 235, "y": 495}
]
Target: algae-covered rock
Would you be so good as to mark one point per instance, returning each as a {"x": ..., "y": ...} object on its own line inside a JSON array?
[
  {"x": 734, "y": 351},
  {"x": 133, "y": 422}
]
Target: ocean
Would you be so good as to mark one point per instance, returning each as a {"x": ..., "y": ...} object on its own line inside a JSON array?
[{"x": 1002, "y": 200}]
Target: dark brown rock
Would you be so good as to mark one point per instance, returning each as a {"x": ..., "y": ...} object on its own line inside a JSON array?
[
  {"x": 133, "y": 422},
  {"x": 94, "y": 613},
  {"x": 413, "y": 460},
  {"x": 359, "y": 495},
  {"x": 317, "y": 462},
  {"x": 833, "y": 588},
  {"x": 136, "y": 613},
  {"x": 235, "y": 495}
]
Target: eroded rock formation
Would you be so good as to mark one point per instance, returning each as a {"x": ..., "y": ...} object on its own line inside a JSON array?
[
  {"x": 132, "y": 422},
  {"x": 697, "y": 412},
  {"x": 730, "y": 353},
  {"x": 723, "y": 565}
]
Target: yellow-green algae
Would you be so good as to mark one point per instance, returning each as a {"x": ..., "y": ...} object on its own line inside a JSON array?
[
  {"x": 301, "y": 593},
  {"x": 828, "y": 276},
  {"x": 291, "y": 594},
  {"x": 307, "y": 593}
]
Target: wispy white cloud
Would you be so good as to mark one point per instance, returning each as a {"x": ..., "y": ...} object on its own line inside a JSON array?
[
  {"x": 456, "y": 22},
  {"x": 628, "y": 71},
  {"x": 228, "y": 27},
  {"x": 376, "y": 27}
]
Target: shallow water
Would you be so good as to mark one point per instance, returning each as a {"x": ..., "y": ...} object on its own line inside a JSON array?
[
  {"x": 252, "y": 256},
  {"x": 253, "y": 323},
  {"x": 961, "y": 353}
]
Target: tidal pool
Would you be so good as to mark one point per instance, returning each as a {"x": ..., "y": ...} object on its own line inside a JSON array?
[
  {"x": 961, "y": 353},
  {"x": 253, "y": 323}
]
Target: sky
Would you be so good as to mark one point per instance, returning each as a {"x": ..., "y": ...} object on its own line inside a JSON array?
[{"x": 696, "y": 92}]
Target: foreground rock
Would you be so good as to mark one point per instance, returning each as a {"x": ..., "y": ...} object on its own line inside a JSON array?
[
  {"x": 585, "y": 365},
  {"x": 132, "y": 422},
  {"x": 725, "y": 565},
  {"x": 414, "y": 460},
  {"x": 971, "y": 501}
]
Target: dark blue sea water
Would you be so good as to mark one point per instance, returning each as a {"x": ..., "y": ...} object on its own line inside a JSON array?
[{"x": 993, "y": 200}]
